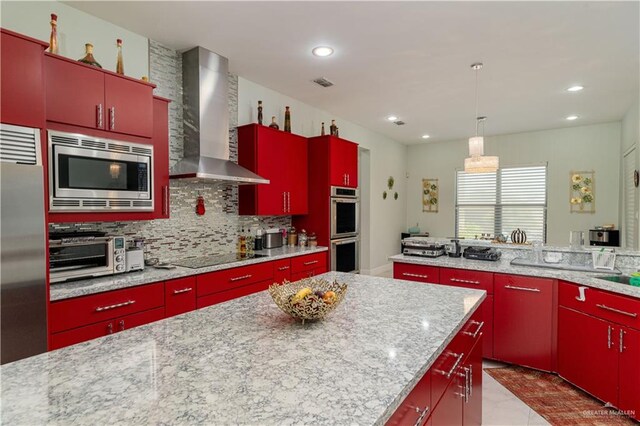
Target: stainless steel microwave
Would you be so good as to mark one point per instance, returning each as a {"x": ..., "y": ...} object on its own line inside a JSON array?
[{"x": 95, "y": 174}]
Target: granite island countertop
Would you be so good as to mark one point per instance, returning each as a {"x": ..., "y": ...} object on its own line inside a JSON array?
[
  {"x": 66, "y": 290},
  {"x": 504, "y": 266},
  {"x": 246, "y": 362}
]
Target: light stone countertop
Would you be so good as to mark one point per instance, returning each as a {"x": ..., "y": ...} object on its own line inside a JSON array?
[
  {"x": 66, "y": 290},
  {"x": 503, "y": 266},
  {"x": 246, "y": 362}
]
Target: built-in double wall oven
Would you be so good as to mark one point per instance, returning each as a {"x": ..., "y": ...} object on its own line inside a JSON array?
[
  {"x": 89, "y": 173},
  {"x": 345, "y": 229}
]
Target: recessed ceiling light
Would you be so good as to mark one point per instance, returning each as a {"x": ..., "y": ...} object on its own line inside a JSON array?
[
  {"x": 322, "y": 51},
  {"x": 575, "y": 88},
  {"x": 572, "y": 117},
  {"x": 425, "y": 136},
  {"x": 392, "y": 118}
]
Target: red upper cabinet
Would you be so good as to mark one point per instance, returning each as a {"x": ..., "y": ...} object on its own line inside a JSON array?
[
  {"x": 161, "y": 158},
  {"x": 21, "y": 80},
  {"x": 280, "y": 157},
  {"x": 343, "y": 162},
  {"x": 84, "y": 96}
]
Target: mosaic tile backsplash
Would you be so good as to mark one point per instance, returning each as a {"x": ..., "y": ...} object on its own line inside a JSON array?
[{"x": 186, "y": 234}]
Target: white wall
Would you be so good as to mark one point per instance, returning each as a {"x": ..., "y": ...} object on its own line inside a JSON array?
[
  {"x": 75, "y": 28},
  {"x": 595, "y": 147},
  {"x": 387, "y": 158}
]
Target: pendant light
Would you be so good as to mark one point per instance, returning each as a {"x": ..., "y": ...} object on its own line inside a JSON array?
[{"x": 477, "y": 161}]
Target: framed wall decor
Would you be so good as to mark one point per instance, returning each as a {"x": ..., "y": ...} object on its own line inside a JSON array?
[
  {"x": 582, "y": 192},
  {"x": 430, "y": 193}
]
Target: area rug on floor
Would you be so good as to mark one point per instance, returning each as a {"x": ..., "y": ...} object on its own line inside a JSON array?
[{"x": 556, "y": 400}]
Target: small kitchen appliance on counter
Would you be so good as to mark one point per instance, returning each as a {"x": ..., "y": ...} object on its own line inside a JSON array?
[
  {"x": 135, "y": 259},
  {"x": 422, "y": 248},
  {"x": 272, "y": 239},
  {"x": 481, "y": 253},
  {"x": 604, "y": 237},
  {"x": 454, "y": 250}
]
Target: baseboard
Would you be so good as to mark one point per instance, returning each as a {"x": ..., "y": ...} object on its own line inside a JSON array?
[{"x": 377, "y": 271}]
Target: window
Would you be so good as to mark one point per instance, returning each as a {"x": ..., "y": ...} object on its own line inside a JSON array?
[{"x": 497, "y": 203}]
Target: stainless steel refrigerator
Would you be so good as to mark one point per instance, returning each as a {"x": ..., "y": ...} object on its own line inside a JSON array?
[{"x": 23, "y": 284}]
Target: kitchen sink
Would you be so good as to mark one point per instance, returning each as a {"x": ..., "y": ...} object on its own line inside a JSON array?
[
  {"x": 622, "y": 279},
  {"x": 522, "y": 261}
]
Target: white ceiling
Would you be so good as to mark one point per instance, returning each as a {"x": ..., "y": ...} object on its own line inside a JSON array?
[{"x": 412, "y": 59}]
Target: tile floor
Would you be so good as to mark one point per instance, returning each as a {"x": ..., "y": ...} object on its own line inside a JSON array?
[{"x": 500, "y": 407}]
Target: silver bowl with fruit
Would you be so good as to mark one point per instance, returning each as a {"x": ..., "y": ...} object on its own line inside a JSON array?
[{"x": 308, "y": 299}]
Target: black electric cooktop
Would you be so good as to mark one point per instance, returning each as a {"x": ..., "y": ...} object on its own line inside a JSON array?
[{"x": 214, "y": 260}]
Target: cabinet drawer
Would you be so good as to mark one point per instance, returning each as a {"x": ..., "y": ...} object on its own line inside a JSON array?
[
  {"x": 467, "y": 278},
  {"x": 223, "y": 296},
  {"x": 416, "y": 406},
  {"x": 180, "y": 296},
  {"x": 309, "y": 262},
  {"x": 422, "y": 273},
  {"x": 281, "y": 270},
  {"x": 228, "y": 279},
  {"x": 601, "y": 304},
  {"x": 80, "y": 311},
  {"x": 104, "y": 328}
]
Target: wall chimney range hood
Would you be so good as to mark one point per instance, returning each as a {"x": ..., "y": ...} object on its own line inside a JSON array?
[{"x": 206, "y": 122}]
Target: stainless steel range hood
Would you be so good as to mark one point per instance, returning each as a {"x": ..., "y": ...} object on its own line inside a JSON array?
[{"x": 206, "y": 121}]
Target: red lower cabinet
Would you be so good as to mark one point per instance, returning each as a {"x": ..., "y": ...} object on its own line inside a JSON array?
[
  {"x": 449, "y": 411},
  {"x": 223, "y": 296},
  {"x": 629, "y": 371},
  {"x": 179, "y": 296},
  {"x": 281, "y": 270},
  {"x": 472, "y": 409},
  {"x": 487, "y": 317},
  {"x": 421, "y": 273},
  {"x": 523, "y": 317},
  {"x": 416, "y": 407}
]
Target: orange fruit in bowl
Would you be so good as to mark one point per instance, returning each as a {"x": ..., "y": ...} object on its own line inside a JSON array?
[{"x": 329, "y": 297}]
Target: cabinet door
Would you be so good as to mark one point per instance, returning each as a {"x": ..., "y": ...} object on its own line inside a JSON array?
[
  {"x": 180, "y": 296},
  {"x": 487, "y": 317},
  {"x": 74, "y": 93},
  {"x": 337, "y": 169},
  {"x": 523, "y": 321},
  {"x": 473, "y": 403},
  {"x": 281, "y": 270},
  {"x": 297, "y": 175},
  {"x": 629, "y": 371},
  {"x": 271, "y": 161},
  {"x": 161, "y": 159},
  {"x": 422, "y": 273},
  {"x": 81, "y": 334},
  {"x": 449, "y": 411},
  {"x": 129, "y": 106},
  {"x": 136, "y": 320},
  {"x": 351, "y": 163},
  {"x": 21, "y": 81},
  {"x": 587, "y": 353},
  {"x": 416, "y": 407},
  {"x": 223, "y": 296}
]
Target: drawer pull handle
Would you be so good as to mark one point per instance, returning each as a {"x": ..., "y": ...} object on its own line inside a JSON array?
[
  {"x": 455, "y": 365},
  {"x": 244, "y": 277},
  {"x": 458, "y": 280},
  {"x": 117, "y": 305},
  {"x": 311, "y": 262},
  {"x": 475, "y": 334},
  {"x": 422, "y": 415},
  {"x": 184, "y": 290},
  {"x": 121, "y": 325},
  {"x": 609, "y": 344},
  {"x": 622, "y": 346},
  {"x": 617, "y": 311},
  {"x": 409, "y": 274},
  {"x": 112, "y": 116},
  {"x": 513, "y": 287},
  {"x": 283, "y": 268},
  {"x": 99, "y": 115}
]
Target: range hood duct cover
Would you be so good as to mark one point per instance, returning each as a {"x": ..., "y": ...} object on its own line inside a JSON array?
[{"x": 206, "y": 121}]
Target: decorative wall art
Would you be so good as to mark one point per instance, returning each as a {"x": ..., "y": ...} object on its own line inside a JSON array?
[
  {"x": 582, "y": 192},
  {"x": 430, "y": 193}
]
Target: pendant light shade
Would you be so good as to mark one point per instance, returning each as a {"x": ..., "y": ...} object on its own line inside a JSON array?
[{"x": 477, "y": 161}]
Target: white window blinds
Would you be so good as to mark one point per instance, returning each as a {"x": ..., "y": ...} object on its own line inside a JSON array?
[
  {"x": 630, "y": 201},
  {"x": 497, "y": 203}
]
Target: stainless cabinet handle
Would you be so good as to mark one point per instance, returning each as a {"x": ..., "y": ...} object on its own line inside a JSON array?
[
  {"x": 609, "y": 337},
  {"x": 622, "y": 333},
  {"x": 284, "y": 202},
  {"x": 409, "y": 274},
  {"x": 470, "y": 380},
  {"x": 110, "y": 328},
  {"x": 112, "y": 118},
  {"x": 513, "y": 287},
  {"x": 117, "y": 305},
  {"x": 99, "y": 115},
  {"x": 311, "y": 262},
  {"x": 184, "y": 290},
  {"x": 466, "y": 385},
  {"x": 288, "y": 202},
  {"x": 347, "y": 179},
  {"x": 617, "y": 311},
  {"x": 165, "y": 200},
  {"x": 244, "y": 277},
  {"x": 455, "y": 365},
  {"x": 121, "y": 325},
  {"x": 475, "y": 334},
  {"x": 422, "y": 415},
  {"x": 458, "y": 280},
  {"x": 283, "y": 268}
]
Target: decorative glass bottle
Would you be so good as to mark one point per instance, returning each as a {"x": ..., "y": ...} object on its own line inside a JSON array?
[
  {"x": 322, "y": 129},
  {"x": 88, "y": 58},
  {"x": 333, "y": 129},
  {"x": 273, "y": 124},
  {"x": 287, "y": 120},
  {"x": 260, "y": 112},
  {"x": 119, "y": 64},
  {"x": 53, "y": 39}
]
